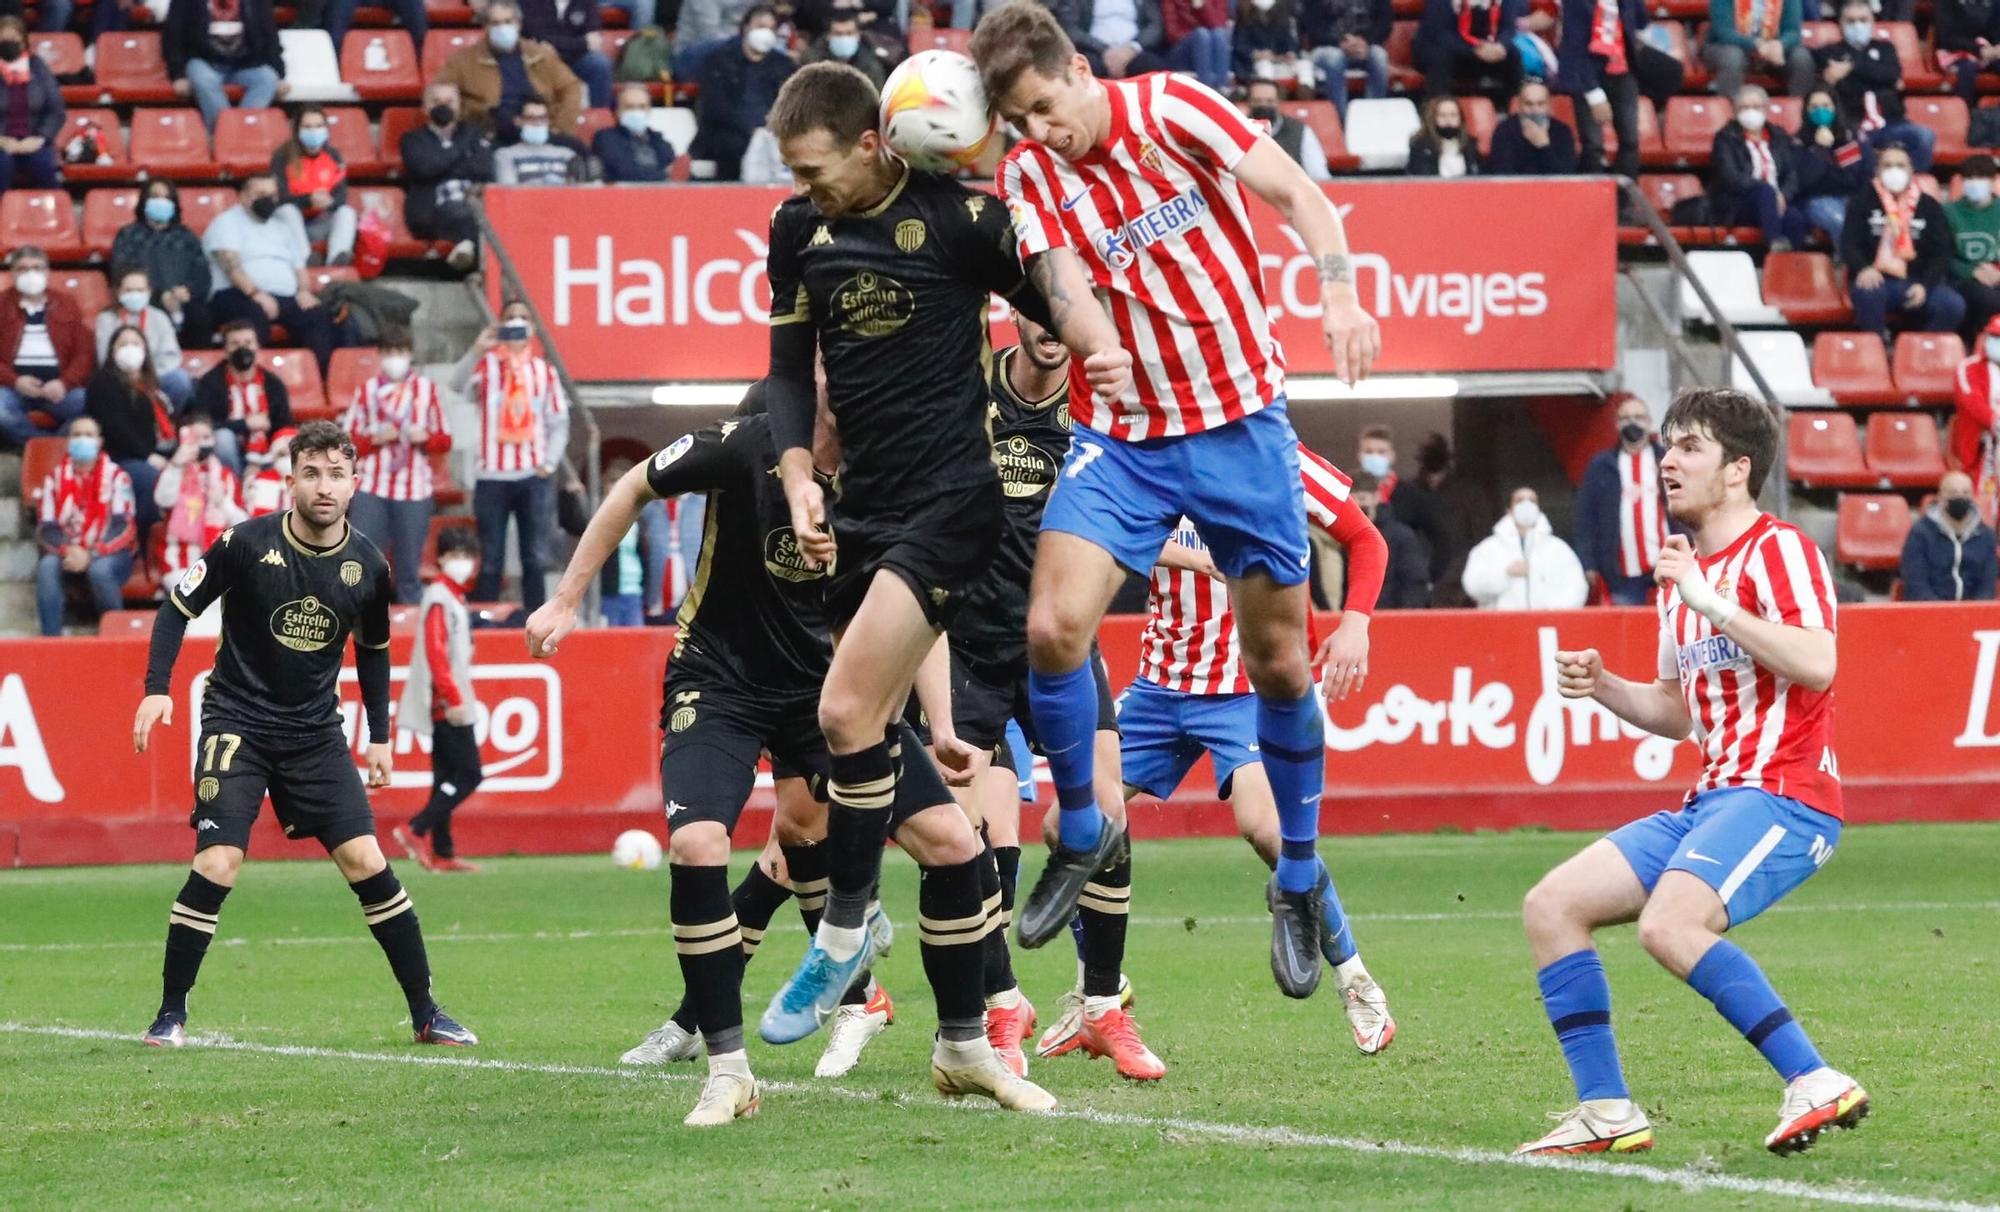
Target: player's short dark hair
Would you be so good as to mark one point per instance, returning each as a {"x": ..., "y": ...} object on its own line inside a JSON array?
[
  {"x": 234, "y": 326},
  {"x": 321, "y": 437},
  {"x": 828, "y": 96},
  {"x": 1361, "y": 481},
  {"x": 1739, "y": 423},
  {"x": 395, "y": 338},
  {"x": 1378, "y": 433},
  {"x": 1014, "y": 38},
  {"x": 457, "y": 539}
]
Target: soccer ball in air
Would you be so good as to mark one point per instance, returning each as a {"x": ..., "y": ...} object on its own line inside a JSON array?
[
  {"x": 636, "y": 850},
  {"x": 934, "y": 111}
]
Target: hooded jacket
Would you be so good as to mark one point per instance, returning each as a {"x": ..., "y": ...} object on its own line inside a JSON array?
[
  {"x": 1554, "y": 581},
  {"x": 1942, "y": 565}
]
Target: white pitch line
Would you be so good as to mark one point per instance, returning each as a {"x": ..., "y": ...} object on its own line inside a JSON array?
[{"x": 1685, "y": 1178}]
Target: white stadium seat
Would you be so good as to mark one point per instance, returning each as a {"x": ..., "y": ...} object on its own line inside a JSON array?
[
  {"x": 1781, "y": 357},
  {"x": 676, "y": 126},
  {"x": 312, "y": 68},
  {"x": 1731, "y": 279},
  {"x": 1379, "y": 131}
]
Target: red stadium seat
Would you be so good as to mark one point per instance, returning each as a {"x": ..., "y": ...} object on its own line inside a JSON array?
[
  {"x": 131, "y": 70},
  {"x": 86, "y": 286},
  {"x": 38, "y": 458},
  {"x": 1815, "y": 34},
  {"x": 172, "y": 143},
  {"x": 447, "y": 491},
  {"x": 1871, "y": 529},
  {"x": 200, "y": 206},
  {"x": 1948, "y": 118},
  {"x": 105, "y": 213},
  {"x": 1689, "y": 132},
  {"x": 1480, "y": 118},
  {"x": 246, "y": 138},
  {"x": 62, "y": 54},
  {"x": 321, "y": 275},
  {"x": 120, "y": 168},
  {"x": 1903, "y": 449},
  {"x": 349, "y": 134},
  {"x": 1854, "y": 367},
  {"x": 1926, "y": 366},
  {"x": 1787, "y": 112},
  {"x": 1324, "y": 121},
  {"x": 300, "y": 373},
  {"x": 940, "y": 38},
  {"x": 198, "y": 362},
  {"x": 1401, "y": 46},
  {"x": 349, "y": 369},
  {"x": 381, "y": 65},
  {"x": 1920, "y": 71},
  {"x": 590, "y": 121},
  {"x": 395, "y": 124},
  {"x": 389, "y": 204},
  {"x": 1806, "y": 287},
  {"x": 1663, "y": 190},
  {"x": 42, "y": 217},
  {"x": 442, "y": 44},
  {"x": 1822, "y": 450},
  {"x": 128, "y": 622}
]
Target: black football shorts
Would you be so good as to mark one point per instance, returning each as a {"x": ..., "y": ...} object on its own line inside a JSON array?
[
  {"x": 939, "y": 548},
  {"x": 315, "y": 787}
]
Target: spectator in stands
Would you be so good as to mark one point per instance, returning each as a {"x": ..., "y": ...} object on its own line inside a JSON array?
[
  {"x": 703, "y": 27},
  {"x": 1466, "y": 42},
  {"x": 842, "y": 43},
  {"x": 1596, "y": 60},
  {"x": 524, "y": 432},
  {"x": 633, "y": 150},
  {"x": 763, "y": 162},
  {"x": 173, "y": 258},
  {"x": 574, "y": 31},
  {"x": 338, "y": 17},
  {"x": 198, "y": 499},
  {"x": 1195, "y": 35},
  {"x": 1975, "y": 423},
  {"x": 1443, "y": 147},
  {"x": 398, "y": 422},
  {"x": 1621, "y": 509},
  {"x": 134, "y": 309},
  {"x": 1406, "y": 584},
  {"x": 642, "y": 14},
  {"x": 246, "y": 402},
  {"x": 1119, "y": 37},
  {"x": 493, "y": 77},
  {"x": 87, "y": 530},
  {"x": 1345, "y": 36},
  {"x": 445, "y": 161},
  {"x": 1410, "y": 503},
  {"x": 1531, "y": 141},
  {"x": 259, "y": 255},
  {"x": 211, "y": 44},
  {"x": 1754, "y": 174},
  {"x": 1867, "y": 77},
  {"x": 312, "y": 179},
  {"x": 31, "y": 113},
  {"x": 135, "y": 416},
  {"x": 1949, "y": 555},
  {"x": 46, "y": 341},
  {"x": 632, "y": 575},
  {"x": 267, "y": 477},
  {"x": 1522, "y": 565},
  {"x": 1298, "y": 139},
  {"x": 1763, "y": 35},
  {"x": 1830, "y": 165},
  {"x": 537, "y": 159},
  {"x": 1975, "y": 232},
  {"x": 1968, "y": 43},
  {"x": 1896, "y": 243},
  {"x": 738, "y": 86},
  {"x": 1265, "y": 45},
  {"x": 881, "y": 20}
]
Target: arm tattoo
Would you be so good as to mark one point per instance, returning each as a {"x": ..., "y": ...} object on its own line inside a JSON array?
[
  {"x": 1042, "y": 272},
  {"x": 1334, "y": 267}
]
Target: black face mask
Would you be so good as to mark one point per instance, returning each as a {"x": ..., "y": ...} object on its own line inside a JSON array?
[
  {"x": 264, "y": 207},
  {"x": 1959, "y": 508},
  {"x": 442, "y": 115},
  {"x": 1264, "y": 113},
  {"x": 1449, "y": 132},
  {"x": 10, "y": 49},
  {"x": 242, "y": 357},
  {"x": 1631, "y": 431},
  {"x": 205, "y": 453}
]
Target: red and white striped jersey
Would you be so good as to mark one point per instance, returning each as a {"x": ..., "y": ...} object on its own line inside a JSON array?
[
  {"x": 1642, "y": 514},
  {"x": 1756, "y": 729},
  {"x": 399, "y": 470},
  {"x": 1161, "y": 226},
  {"x": 519, "y": 401},
  {"x": 1190, "y": 644},
  {"x": 85, "y": 508}
]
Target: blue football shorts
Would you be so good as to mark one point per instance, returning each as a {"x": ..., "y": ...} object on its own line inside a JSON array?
[
  {"x": 1163, "y": 733},
  {"x": 1752, "y": 847}
]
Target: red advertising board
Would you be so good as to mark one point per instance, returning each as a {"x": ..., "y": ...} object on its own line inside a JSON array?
[
  {"x": 1458, "y": 726},
  {"x": 664, "y": 283}
]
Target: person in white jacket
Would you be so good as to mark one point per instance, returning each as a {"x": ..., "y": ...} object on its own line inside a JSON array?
[{"x": 1522, "y": 565}]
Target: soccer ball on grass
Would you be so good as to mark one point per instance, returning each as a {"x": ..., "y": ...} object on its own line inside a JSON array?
[
  {"x": 934, "y": 111},
  {"x": 636, "y": 850}
]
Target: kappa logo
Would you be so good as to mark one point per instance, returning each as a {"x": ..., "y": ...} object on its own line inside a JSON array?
[
  {"x": 271, "y": 556},
  {"x": 205, "y": 824},
  {"x": 821, "y": 237},
  {"x": 228, "y": 535},
  {"x": 939, "y": 595},
  {"x": 974, "y": 205},
  {"x": 674, "y": 807}
]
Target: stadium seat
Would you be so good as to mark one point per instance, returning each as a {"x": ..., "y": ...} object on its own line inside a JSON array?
[
  {"x": 590, "y": 121},
  {"x": 1401, "y": 46},
  {"x": 1926, "y": 366},
  {"x": 38, "y": 458},
  {"x": 172, "y": 143},
  {"x": 105, "y": 212},
  {"x": 200, "y": 206},
  {"x": 1871, "y": 529},
  {"x": 1781, "y": 357},
  {"x": 120, "y": 168},
  {"x": 1480, "y": 118},
  {"x": 321, "y": 276},
  {"x": 62, "y": 54},
  {"x": 131, "y": 70},
  {"x": 300, "y": 373},
  {"x": 245, "y": 139},
  {"x": 381, "y": 64},
  {"x": 87, "y": 287},
  {"x": 1948, "y": 118},
  {"x": 1663, "y": 190},
  {"x": 388, "y": 202},
  {"x": 1854, "y": 367},
  {"x": 676, "y": 124},
  {"x": 1688, "y": 134},
  {"x": 1920, "y": 71},
  {"x": 1822, "y": 450},
  {"x": 1324, "y": 121},
  {"x": 442, "y": 44},
  {"x": 1786, "y": 113},
  {"x": 312, "y": 67},
  {"x": 1815, "y": 34},
  {"x": 1379, "y": 131},
  {"x": 1806, "y": 287},
  {"x": 198, "y": 362},
  {"x": 395, "y": 124},
  {"x": 1903, "y": 449},
  {"x": 349, "y": 134},
  {"x": 127, "y": 622},
  {"x": 42, "y": 217},
  {"x": 349, "y": 369},
  {"x": 940, "y": 38},
  {"x": 1731, "y": 280}
]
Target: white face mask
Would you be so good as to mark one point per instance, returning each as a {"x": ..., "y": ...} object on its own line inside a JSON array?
[
  {"x": 1895, "y": 180},
  {"x": 1752, "y": 119},
  {"x": 1979, "y": 190},
  {"x": 395, "y": 366},
  {"x": 1526, "y": 514},
  {"x": 762, "y": 40},
  {"x": 458, "y": 569},
  {"x": 31, "y": 282},
  {"x": 1993, "y": 349},
  {"x": 129, "y": 357}
]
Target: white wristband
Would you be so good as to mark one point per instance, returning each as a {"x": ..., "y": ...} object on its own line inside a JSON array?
[
  {"x": 1707, "y": 603},
  {"x": 1595, "y": 96}
]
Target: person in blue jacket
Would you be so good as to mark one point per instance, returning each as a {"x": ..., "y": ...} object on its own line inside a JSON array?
[{"x": 1950, "y": 553}]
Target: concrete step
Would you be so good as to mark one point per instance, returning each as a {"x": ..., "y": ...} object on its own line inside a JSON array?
[
  {"x": 10, "y": 474},
  {"x": 17, "y": 559},
  {"x": 11, "y": 519},
  {"x": 17, "y": 609}
]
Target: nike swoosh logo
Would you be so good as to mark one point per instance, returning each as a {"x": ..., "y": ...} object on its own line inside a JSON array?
[
  {"x": 1698, "y": 857},
  {"x": 1070, "y": 202}
]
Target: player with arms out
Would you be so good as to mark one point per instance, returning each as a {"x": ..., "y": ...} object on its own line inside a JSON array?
[
  {"x": 886, "y": 272},
  {"x": 1746, "y": 666},
  {"x": 293, "y": 585},
  {"x": 1132, "y": 190}
]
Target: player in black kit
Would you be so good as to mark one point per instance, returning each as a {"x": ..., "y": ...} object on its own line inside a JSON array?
[
  {"x": 292, "y": 586},
  {"x": 885, "y": 273}
]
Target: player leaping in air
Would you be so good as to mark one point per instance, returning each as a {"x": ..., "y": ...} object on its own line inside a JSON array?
[
  {"x": 1746, "y": 664},
  {"x": 1133, "y": 190}
]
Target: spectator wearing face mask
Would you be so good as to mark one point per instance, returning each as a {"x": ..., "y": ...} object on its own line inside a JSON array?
[
  {"x": 198, "y": 499},
  {"x": 842, "y": 43},
  {"x": 1950, "y": 552},
  {"x": 632, "y": 150},
  {"x": 1295, "y": 137},
  {"x": 87, "y": 530},
  {"x": 1414, "y": 504},
  {"x": 1760, "y": 34},
  {"x": 1975, "y": 422},
  {"x": 1897, "y": 246},
  {"x": 1754, "y": 175},
  {"x": 136, "y": 418},
  {"x": 573, "y": 29},
  {"x": 134, "y": 309},
  {"x": 493, "y": 77},
  {"x": 46, "y": 342},
  {"x": 438, "y": 702},
  {"x": 1522, "y": 565},
  {"x": 1443, "y": 147},
  {"x": 1531, "y": 142},
  {"x": 247, "y": 402},
  {"x": 738, "y": 86},
  {"x": 397, "y": 421},
  {"x": 31, "y": 113},
  {"x": 1975, "y": 234},
  {"x": 1867, "y": 78},
  {"x": 1831, "y": 166},
  {"x": 312, "y": 178},
  {"x": 175, "y": 264},
  {"x": 211, "y": 44},
  {"x": 445, "y": 163},
  {"x": 259, "y": 254},
  {"x": 1406, "y": 582},
  {"x": 537, "y": 159},
  {"x": 1621, "y": 509}
]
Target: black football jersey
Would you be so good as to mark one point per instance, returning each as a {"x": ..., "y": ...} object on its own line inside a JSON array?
[
  {"x": 287, "y": 610},
  {"x": 1030, "y": 441},
  {"x": 754, "y": 612},
  {"x": 898, "y": 297}
]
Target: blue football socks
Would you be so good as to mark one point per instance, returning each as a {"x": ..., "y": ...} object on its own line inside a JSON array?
[
  {"x": 1732, "y": 980},
  {"x": 1291, "y": 742},
  {"x": 1065, "y": 710},
  {"x": 1578, "y": 1001}
]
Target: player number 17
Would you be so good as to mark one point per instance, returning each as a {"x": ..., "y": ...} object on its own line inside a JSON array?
[{"x": 230, "y": 742}]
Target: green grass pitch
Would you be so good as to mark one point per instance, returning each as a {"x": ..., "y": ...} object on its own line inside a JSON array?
[{"x": 310, "y": 1093}]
